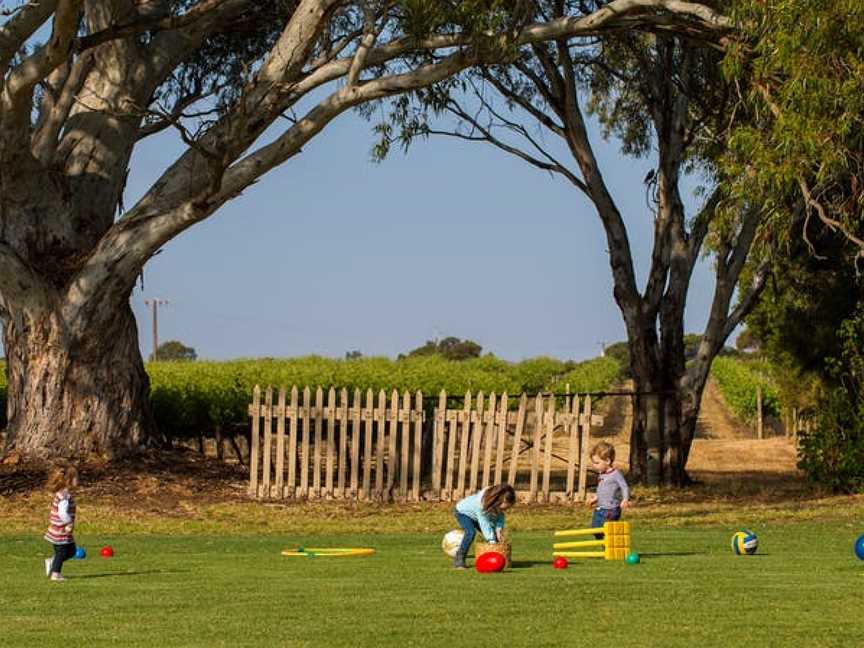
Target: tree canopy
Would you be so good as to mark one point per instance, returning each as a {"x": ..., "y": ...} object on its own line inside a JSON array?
[
  {"x": 175, "y": 350},
  {"x": 799, "y": 69},
  {"x": 245, "y": 84},
  {"x": 450, "y": 348}
]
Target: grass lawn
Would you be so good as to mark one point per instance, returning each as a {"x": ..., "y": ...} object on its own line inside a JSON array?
[{"x": 803, "y": 588}]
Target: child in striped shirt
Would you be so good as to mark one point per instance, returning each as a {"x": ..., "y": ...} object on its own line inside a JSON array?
[{"x": 61, "y": 522}]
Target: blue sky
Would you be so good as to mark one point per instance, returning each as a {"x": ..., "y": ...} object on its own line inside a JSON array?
[{"x": 332, "y": 252}]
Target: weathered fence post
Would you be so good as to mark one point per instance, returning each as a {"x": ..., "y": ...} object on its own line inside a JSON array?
[
  {"x": 253, "y": 447},
  {"x": 418, "y": 443},
  {"x": 292, "y": 442},
  {"x": 438, "y": 449},
  {"x": 517, "y": 440},
  {"x": 585, "y": 422},
  {"x": 268, "y": 434},
  {"x": 280, "y": 445}
]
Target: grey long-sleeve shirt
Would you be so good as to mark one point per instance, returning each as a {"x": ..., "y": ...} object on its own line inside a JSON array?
[{"x": 611, "y": 490}]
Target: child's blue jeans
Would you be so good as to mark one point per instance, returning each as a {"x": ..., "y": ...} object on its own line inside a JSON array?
[
  {"x": 603, "y": 515},
  {"x": 62, "y": 553},
  {"x": 470, "y": 526}
]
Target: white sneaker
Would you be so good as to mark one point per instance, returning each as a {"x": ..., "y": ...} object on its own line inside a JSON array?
[
  {"x": 57, "y": 577},
  {"x": 48, "y": 562}
]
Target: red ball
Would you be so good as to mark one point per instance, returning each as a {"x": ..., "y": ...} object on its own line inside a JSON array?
[
  {"x": 560, "y": 563},
  {"x": 106, "y": 552},
  {"x": 490, "y": 562}
]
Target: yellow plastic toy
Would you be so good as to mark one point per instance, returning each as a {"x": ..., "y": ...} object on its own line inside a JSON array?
[{"x": 615, "y": 542}]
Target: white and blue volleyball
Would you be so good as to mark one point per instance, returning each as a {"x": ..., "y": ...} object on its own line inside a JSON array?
[{"x": 745, "y": 543}]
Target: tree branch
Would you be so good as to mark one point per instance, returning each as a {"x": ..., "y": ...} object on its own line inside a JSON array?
[
  {"x": 369, "y": 36},
  {"x": 20, "y": 27},
  {"x": 552, "y": 165},
  {"x": 154, "y": 221},
  {"x": 187, "y": 193},
  {"x": 18, "y": 89},
  {"x": 747, "y": 301},
  {"x": 45, "y": 137}
]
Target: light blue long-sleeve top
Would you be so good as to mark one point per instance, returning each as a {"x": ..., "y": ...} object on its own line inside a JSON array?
[{"x": 472, "y": 506}]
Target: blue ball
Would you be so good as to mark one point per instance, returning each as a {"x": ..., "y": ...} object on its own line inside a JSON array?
[
  {"x": 859, "y": 547},
  {"x": 80, "y": 553},
  {"x": 744, "y": 542}
]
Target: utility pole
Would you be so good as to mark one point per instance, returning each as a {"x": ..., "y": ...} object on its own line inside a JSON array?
[{"x": 154, "y": 306}]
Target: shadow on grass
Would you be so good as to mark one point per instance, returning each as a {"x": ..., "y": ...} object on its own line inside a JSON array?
[
  {"x": 527, "y": 564},
  {"x": 132, "y": 573}
]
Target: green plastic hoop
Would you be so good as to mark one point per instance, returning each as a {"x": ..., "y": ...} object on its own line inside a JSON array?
[{"x": 329, "y": 552}]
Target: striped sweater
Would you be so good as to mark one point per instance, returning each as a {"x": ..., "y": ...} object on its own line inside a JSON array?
[{"x": 62, "y": 519}]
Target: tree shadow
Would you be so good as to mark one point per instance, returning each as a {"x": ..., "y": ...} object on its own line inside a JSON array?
[{"x": 527, "y": 564}]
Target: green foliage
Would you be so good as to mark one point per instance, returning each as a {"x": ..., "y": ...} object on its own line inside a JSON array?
[
  {"x": 738, "y": 381},
  {"x": 832, "y": 453},
  {"x": 747, "y": 341},
  {"x": 175, "y": 350},
  {"x": 801, "y": 64},
  {"x": 796, "y": 321},
  {"x": 620, "y": 352},
  {"x": 590, "y": 376},
  {"x": 191, "y": 398},
  {"x": 481, "y": 19},
  {"x": 450, "y": 348}
]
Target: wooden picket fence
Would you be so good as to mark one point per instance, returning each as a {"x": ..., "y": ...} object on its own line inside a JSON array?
[{"x": 372, "y": 449}]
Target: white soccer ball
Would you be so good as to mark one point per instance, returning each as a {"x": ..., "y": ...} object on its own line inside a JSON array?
[{"x": 451, "y": 541}]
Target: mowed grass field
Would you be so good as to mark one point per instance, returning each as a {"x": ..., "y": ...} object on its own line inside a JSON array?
[{"x": 804, "y": 587}]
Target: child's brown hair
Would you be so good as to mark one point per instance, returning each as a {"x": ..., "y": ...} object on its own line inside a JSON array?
[
  {"x": 62, "y": 477},
  {"x": 498, "y": 494},
  {"x": 604, "y": 450}
]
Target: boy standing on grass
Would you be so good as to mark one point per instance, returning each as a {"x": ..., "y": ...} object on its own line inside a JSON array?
[
  {"x": 612, "y": 494},
  {"x": 61, "y": 522}
]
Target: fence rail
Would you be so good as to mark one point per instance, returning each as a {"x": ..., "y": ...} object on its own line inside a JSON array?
[{"x": 380, "y": 448}]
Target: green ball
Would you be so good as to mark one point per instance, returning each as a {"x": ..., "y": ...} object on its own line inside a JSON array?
[
  {"x": 632, "y": 558},
  {"x": 300, "y": 550}
]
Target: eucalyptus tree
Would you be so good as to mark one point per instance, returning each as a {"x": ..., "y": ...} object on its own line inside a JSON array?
[
  {"x": 662, "y": 94},
  {"x": 220, "y": 73},
  {"x": 800, "y": 67}
]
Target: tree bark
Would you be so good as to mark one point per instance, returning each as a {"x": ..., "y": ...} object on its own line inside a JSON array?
[{"x": 73, "y": 400}]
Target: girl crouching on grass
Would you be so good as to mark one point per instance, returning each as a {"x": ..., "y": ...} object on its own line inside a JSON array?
[
  {"x": 61, "y": 522},
  {"x": 483, "y": 511}
]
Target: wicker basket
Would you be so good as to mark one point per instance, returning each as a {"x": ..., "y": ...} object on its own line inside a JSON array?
[{"x": 502, "y": 547}]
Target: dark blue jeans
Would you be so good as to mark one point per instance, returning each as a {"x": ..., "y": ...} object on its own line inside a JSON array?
[
  {"x": 603, "y": 515},
  {"x": 470, "y": 527},
  {"x": 62, "y": 553}
]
